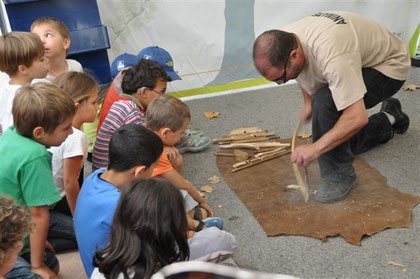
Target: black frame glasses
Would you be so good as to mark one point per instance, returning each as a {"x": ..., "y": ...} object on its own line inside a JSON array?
[{"x": 282, "y": 79}]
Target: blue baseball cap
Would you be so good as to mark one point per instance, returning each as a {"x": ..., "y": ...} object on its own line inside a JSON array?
[
  {"x": 161, "y": 56},
  {"x": 122, "y": 61}
]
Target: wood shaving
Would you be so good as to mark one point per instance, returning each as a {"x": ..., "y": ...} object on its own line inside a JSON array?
[
  {"x": 411, "y": 87},
  {"x": 202, "y": 194},
  {"x": 304, "y": 135},
  {"x": 211, "y": 114},
  {"x": 214, "y": 179},
  {"x": 206, "y": 188},
  {"x": 219, "y": 206},
  {"x": 396, "y": 264}
]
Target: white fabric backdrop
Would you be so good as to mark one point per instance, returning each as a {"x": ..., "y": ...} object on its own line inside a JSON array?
[{"x": 202, "y": 37}]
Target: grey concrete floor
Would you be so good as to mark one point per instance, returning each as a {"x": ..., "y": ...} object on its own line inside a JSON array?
[{"x": 276, "y": 109}]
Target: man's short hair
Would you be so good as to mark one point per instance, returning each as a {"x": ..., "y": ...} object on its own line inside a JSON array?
[
  {"x": 19, "y": 48},
  {"x": 276, "y": 45},
  {"x": 167, "y": 112},
  {"x": 55, "y": 23},
  {"x": 133, "y": 145},
  {"x": 41, "y": 105}
]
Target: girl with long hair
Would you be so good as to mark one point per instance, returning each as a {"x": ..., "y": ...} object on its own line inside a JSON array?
[{"x": 149, "y": 231}]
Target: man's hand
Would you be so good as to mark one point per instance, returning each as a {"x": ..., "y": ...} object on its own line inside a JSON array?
[
  {"x": 207, "y": 208},
  {"x": 45, "y": 272},
  {"x": 304, "y": 154}
]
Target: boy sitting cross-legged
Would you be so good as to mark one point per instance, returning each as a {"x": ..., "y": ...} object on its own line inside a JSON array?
[
  {"x": 169, "y": 117},
  {"x": 43, "y": 116},
  {"x": 133, "y": 151}
]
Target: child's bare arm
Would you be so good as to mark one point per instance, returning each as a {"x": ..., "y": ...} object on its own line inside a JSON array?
[
  {"x": 40, "y": 219},
  {"x": 182, "y": 184},
  {"x": 71, "y": 171}
]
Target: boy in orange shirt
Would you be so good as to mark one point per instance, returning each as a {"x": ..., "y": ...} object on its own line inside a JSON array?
[{"x": 169, "y": 117}]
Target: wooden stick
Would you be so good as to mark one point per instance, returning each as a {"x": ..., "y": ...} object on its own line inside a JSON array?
[
  {"x": 301, "y": 184},
  {"x": 254, "y": 161},
  {"x": 272, "y": 151},
  {"x": 255, "y": 146},
  {"x": 250, "y": 162},
  {"x": 243, "y": 136},
  {"x": 223, "y": 154},
  {"x": 256, "y": 139}
]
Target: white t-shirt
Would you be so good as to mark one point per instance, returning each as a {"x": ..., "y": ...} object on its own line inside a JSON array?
[
  {"x": 72, "y": 66},
  {"x": 7, "y": 95},
  {"x": 75, "y": 145},
  {"x": 338, "y": 45}
]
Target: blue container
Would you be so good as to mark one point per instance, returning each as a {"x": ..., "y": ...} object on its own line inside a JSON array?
[{"x": 89, "y": 38}]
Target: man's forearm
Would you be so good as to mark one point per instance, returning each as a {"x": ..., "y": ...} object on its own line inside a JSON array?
[{"x": 351, "y": 121}]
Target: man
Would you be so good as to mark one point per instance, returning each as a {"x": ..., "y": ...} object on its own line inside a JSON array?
[{"x": 344, "y": 64}]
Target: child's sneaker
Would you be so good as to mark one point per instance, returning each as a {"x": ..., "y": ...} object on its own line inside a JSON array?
[
  {"x": 213, "y": 222},
  {"x": 192, "y": 141}
]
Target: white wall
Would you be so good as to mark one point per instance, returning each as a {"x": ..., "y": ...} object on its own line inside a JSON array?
[{"x": 211, "y": 41}]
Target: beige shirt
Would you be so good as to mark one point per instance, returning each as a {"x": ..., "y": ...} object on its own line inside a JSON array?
[{"x": 338, "y": 45}]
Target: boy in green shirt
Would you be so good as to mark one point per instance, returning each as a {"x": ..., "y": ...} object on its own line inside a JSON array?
[{"x": 43, "y": 116}]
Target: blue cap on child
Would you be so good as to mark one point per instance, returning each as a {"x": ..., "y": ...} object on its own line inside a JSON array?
[
  {"x": 122, "y": 61},
  {"x": 161, "y": 56}
]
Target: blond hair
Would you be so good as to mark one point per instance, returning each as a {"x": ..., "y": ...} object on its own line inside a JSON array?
[
  {"x": 41, "y": 105},
  {"x": 19, "y": 48},
  {"x": 53, "y": 22},
  {"x": 14, "y": 224},
  {"x": 167, "y": 112},
  {"x": 78, "y": 85}
]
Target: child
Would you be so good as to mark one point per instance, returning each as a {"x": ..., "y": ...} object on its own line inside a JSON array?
[
  {"x": 191, "y": 141},
  {"x": 43, "y": 115},
  {"x": 56, "y": 38},
  {"x": 169, "y": 117},
  {"x": 121, "y": 62},
  {"x": 141, "y": 84},
  {"x": 149, "y": 231},
  {"x": 14, "y": 224},
  {"x": 69, "y": 157},
  {"x": 22, "y": 58},
  {"x": 133, "y": 151}
]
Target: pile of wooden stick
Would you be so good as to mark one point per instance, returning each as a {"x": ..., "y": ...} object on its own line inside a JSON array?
[{"x": 260, "y": 146}]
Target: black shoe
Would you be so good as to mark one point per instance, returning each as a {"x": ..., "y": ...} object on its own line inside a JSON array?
[{"x": 393, "y": 107}]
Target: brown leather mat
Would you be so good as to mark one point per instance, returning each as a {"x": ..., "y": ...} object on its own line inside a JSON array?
[{"x": 370, "y": 208}]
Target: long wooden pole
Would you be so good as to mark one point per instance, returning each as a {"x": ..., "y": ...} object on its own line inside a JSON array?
[{"x": 301, "y": 186}]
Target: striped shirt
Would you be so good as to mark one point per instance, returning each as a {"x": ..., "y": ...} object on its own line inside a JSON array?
[{"x": 121, "y": 112}]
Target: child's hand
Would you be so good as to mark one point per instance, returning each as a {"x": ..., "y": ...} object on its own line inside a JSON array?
[
  {"x": 45, "y": 272},
  {"x": 207, "y": 208},
  {"x": 49, "y": 247},
  {"x": 173, "y": 154}
]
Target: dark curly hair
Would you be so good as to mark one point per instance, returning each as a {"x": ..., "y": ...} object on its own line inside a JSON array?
[
  {"x": 145, "y": 73},
  {"x": 14, "y": 224}
]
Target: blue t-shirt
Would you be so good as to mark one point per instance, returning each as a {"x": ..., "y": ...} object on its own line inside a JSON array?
[{"x": 95, "y": 209}]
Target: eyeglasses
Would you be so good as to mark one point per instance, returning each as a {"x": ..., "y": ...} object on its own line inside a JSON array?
[
  {"x": 160, "y": 93},
  {"x": 282, "y": 79}
]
